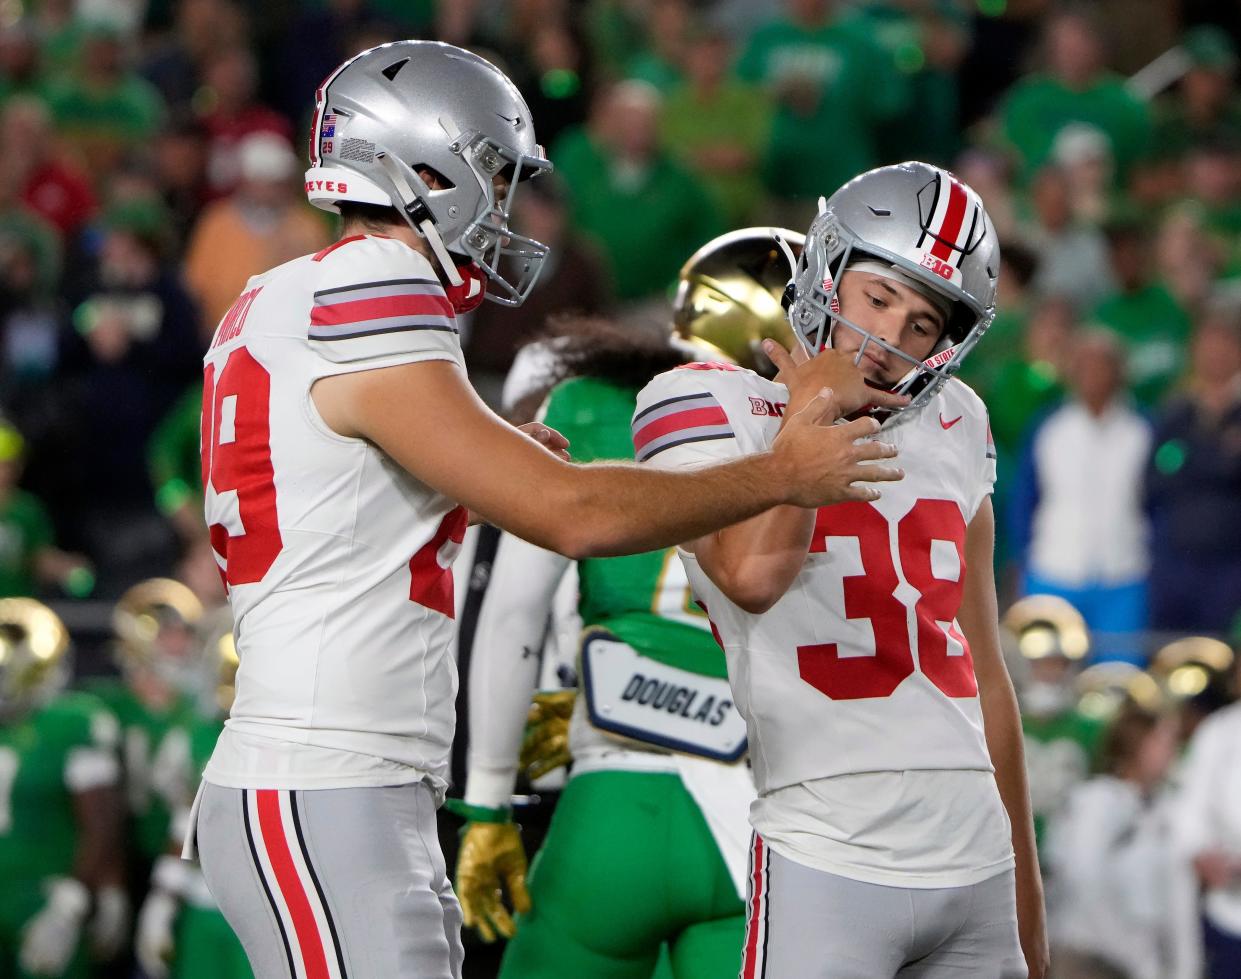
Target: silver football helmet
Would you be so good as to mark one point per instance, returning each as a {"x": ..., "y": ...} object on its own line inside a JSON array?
[
  {"x": 928, "y": 228},
  {"x": 399, "y": 107}
]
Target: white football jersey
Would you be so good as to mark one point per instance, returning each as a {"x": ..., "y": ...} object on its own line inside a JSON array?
[
  {"x": 861, "y": 665},
  {"x": 337, "y": 561}
]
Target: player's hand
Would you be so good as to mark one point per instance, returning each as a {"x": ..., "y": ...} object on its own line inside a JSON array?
[
  {"x": 491, "y": 854},
  {"x": 547, "y": 437},
  {"x": 804, "y": 376},
  {"x": 153, "y": 941},
  {"x": 109, "y": 926},
  {"x": 1216, "y": 869},
  {"x": 546, "y": 744},
  {"x": 50, "y": 938},
  {"x": 823, "y": 461},
  {"x": 1034, "y": 947}
]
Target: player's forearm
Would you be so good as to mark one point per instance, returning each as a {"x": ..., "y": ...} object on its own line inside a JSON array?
[
  {"x": 1002, "y": 724},
  {"x": 98, "y": 815},
  {"x": 620, "y": 509},
  {"x": 504, "y": 664},
  {"x": 755, "y": 562}
]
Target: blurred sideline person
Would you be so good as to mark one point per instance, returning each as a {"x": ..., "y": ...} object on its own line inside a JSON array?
[
  {"x": 1111, "y": 859},
  {"x": 342, "y": 445},
  {"x": 648, "y": 843},
  {"x": 180, "y": 932},
  {"x": 892, "y": 833},
  {"x": 1207, "y": 833},
  {"x": 1060, "y": 739},
  {"x": 60, "y": 811},
  {"x": 1077, "y": 506}
]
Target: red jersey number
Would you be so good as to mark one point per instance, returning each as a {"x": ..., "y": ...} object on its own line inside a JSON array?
[
  {"x": 236, "y": 457},
  {"x": 430, "y": 570},
  {"x": 870, "y": 595}
]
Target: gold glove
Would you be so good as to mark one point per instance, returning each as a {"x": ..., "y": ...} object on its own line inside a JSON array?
[
  {"x": 546, "y": 744},
  {"x": 491, "y": 854}
]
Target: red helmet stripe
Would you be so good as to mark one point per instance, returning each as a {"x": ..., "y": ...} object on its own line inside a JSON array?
[{"x": 954, "y": 216}]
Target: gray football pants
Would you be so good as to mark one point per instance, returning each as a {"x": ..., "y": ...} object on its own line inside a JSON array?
[
  {"x": 804, "y": 923},
  {"x": 332, "y": 883}
]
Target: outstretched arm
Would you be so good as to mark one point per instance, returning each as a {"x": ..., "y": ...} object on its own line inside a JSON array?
[{"x": 466, "y": 452}]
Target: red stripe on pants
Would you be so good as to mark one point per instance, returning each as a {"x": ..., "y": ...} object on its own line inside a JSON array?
[
  {"x": 750, "y": 960},
  {"x": 309, "y": 942},
  {"x": 955, "y": 214}
]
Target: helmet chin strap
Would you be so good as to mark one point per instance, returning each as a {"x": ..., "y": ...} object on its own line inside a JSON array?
[{"x": 415, "y": 208}]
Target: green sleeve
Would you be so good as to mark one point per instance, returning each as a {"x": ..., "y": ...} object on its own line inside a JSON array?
[
  {"x": 38, "y": 525},
  {"x": 79, "y": 720},
  {"x": 172, "y": 453},
  {"x": 564, "y": 412}
]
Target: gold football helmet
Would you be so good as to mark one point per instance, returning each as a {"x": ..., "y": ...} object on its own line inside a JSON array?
[
  {"x": 729, "y": 298},
  {"x": 1104, "y": 688},
  {"x": 1046, "y": 625},
  {"x": 220, "y": 661},
  {"x": 154, "y": 625},
  {"x": 1188, "y": 666},
  {"x": 33, "y": 648}
]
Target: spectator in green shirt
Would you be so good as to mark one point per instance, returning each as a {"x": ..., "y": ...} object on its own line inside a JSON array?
[
  {"x": 1151, "y": 324},
  {"x": 21, "y": 64},
  {"x": 104, "y": 108},
  {"x": 645, "y": 211},
  {"x": 1075, "y": 87},
  {"x": 174, "y": 465},
  {"x": 661, "y": 62},
  {"x": 29, "y": 557},
  {"x": 1205, "y": 106},
  {"x": 834, "y": 87},
  {"x": 718, "y": 127}
]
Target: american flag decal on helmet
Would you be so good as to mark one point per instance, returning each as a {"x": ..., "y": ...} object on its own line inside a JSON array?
[
  {"x": 676, "y": 421},
  {"x": 951, "y": 216}
]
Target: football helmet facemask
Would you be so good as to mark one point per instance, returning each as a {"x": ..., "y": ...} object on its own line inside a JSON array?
[
  {"x": 924, "y": 227},
  {"x": 407, "y": 106},
  {"x": 154, "y": 623}
]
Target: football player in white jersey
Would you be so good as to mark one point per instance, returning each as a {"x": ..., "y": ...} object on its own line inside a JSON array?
[
  {"x": 341, "y": 445},
  {"x": 864, "y": 657}
]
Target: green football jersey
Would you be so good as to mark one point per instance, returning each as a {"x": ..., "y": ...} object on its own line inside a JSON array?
[
  {"x": 155, "y": 783},
  {"x": 64, "y": 747},
  {"x": 1060, "y": 752},
  {"x": 644, "y": 599}
]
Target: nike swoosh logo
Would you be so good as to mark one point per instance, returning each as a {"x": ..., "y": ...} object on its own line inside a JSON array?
[{"x": 948, "y": 425}]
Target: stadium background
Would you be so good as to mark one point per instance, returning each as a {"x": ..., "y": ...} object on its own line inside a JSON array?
[{"x": 151, "y": 157}]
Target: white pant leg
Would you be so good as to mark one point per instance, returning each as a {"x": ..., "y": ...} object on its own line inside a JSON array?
[
  {"x": 804, "y": 923},
  {"x": 968, "y": 932},
  {"x": 339, "y": 883}
]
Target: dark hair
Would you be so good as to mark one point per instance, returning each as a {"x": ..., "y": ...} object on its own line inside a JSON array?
[
  {"x": 368, "y": 215},
  {"x": 1124, "y": 736},
  {"x": 591, "y": 346}
]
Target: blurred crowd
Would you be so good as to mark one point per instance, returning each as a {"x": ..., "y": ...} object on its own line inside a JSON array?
[{"x": 151, "y": 154}]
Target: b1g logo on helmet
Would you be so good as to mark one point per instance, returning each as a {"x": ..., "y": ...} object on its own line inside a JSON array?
[
  {"x": 952, "y": 224},
  {"x": 937, "y": 265}
]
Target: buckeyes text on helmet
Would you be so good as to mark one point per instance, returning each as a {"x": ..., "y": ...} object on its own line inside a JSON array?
[
  {"x": 928, "y": 229},
  {"x": 400, "y": 110}
]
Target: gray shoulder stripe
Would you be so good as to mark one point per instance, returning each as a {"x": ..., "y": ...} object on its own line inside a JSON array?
[
  {"x": 693, "y": 438},
  {"x": 374, "y": 285},
  {"x": 409, "y": 328},
  {"x": 668, "y": 401}
]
